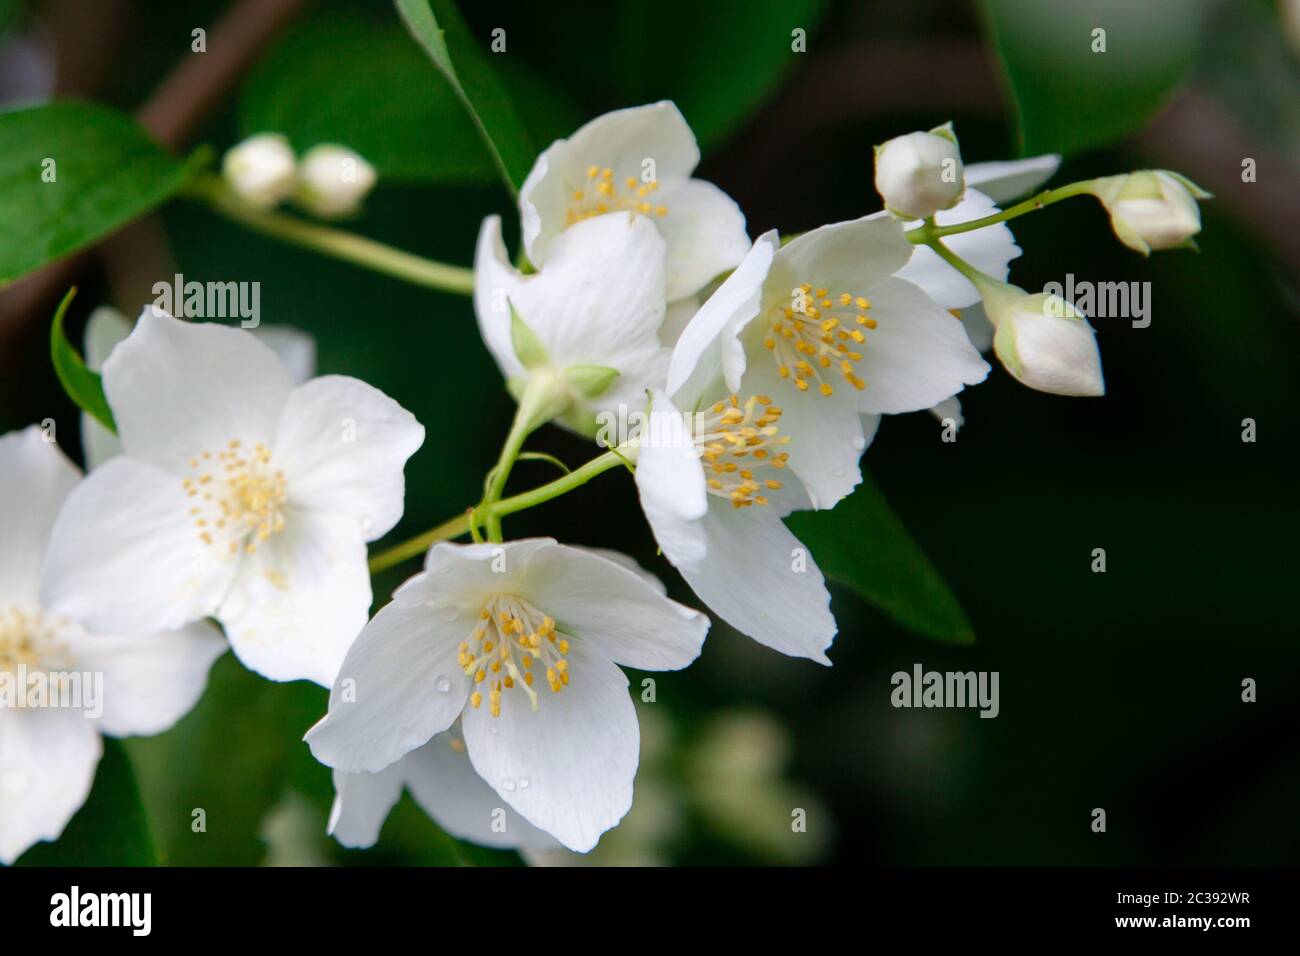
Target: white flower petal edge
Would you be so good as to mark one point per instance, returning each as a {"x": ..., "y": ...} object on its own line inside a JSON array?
[
  {"x": 442, "y": 781},
  {"x": 478, "y": 619},
  {"x": 235, "y": 492},
  {"x": 1006, "y": 180},
  {"x": 599, "y": 301},
  {"x": 48, "y": 760},
  {"x": 636, "y": 160},
  {"x": 48, "y": 754},
  {"x": 106, "y": 327}
]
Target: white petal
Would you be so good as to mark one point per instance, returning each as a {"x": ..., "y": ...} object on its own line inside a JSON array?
[
  {"x": 445, "y": 785},
  {"x": 601, "y": 294},
  {"x": 990, "y": 250},
  {"x": 750, "y": 580},
  {"x": 181, "y": 388},
  {"x": 1005, "y": 181},
  {"x": 35, "y": 479},
  {"x": 47, "y": 765},
  {"x": 949, "y": 408},
  {"x": 677, "y": 317},
  {"x": 705, "y": 232},
  {"x": 622, "y": 141},
  {"x": 104, "y": 329},
  {"x": 342, "y": 445},
  {"x": 671, "y": 485},
  {"x": 362, "y": 802},
  {"x": 496, "y": 286},
  {"x": 978, "y": 327},
  {"x": 567, "y": 766},
  {"x": 709, "y": 349},
  {"x": 844, "y": 256},
  {"x": 300, "y": 599},
  {"x": 825, "y": 432},
  {"x": 295, "y": 349},
  {"x": 125, "y": 556},
  {"x": 150, "y": 682},
  {"x": 918, "y": 354},
  {"x": 613, "y": 610},
  {"x": 388, "y": 698}
]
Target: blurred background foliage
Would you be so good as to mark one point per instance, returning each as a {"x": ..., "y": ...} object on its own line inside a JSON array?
[{"x": 1119, "y": 690}]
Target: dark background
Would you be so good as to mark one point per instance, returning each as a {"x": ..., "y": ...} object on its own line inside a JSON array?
[{"x": 1119, "y": 690}]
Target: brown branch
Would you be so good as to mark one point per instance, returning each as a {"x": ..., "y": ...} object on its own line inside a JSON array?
[{"x": 172, "y": 114}]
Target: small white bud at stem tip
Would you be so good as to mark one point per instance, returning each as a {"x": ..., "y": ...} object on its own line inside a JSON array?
[
  {"x": 332, "y": 181},
  {"x": 1152, "y": 208},
  {"x": 260, "y": 170},
  {"x": 1042, "y": 340},
  {"x": 920, "y": 173}
]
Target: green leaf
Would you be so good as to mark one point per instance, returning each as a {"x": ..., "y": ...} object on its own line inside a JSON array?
[
  {"x": 110, "y": 829},
  {"x": 1070, "y": 98},
  {"x": 103, "y": 171},
  {"x": 528, "y": 348},
  {"x": 352, "y": 79},
  {"x": 863, "y": 545},
  {"x": 439, "y": 29},
  {"x": 84, "y": 387}
]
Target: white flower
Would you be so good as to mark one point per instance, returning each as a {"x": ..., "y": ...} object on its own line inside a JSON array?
[
  {"x": 261, "y": 169},
  {"x": 48, "y": 754},
  {"x": 597, "y": 305},
  {"x": 1043, "y": 340},
  {"x": 1152, "y": 208},
  {"x": 443, "y": 782},
  {"x": 637, "y": 161},
  {"x": 782, "y": 374},
  {"x": 332, "y": 181},
  {"x": 824, "y": 328},
  {"x": 238, "y": 495},
  {"x": 920, "y": 173},
  {"x": 107, "y": 326},
  {"x": 523, "y": 641}
]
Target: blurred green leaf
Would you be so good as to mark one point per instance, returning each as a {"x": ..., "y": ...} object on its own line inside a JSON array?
[
  {"x": 352, "y": 79},
  {"x": 439, "y": 29},
  {"x": 84, "y": 387},
  {"x": 863, "y": 544},
  {"x": 104, "y": 172},
  {"x": 110, "y": 829},
  {"x": 1070, "y": 98}
]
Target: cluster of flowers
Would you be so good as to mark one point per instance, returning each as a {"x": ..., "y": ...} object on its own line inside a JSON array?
[{"x": 241, "y": 490}]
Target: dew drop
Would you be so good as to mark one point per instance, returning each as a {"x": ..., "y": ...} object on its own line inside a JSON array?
[
  {"x": 508, "y": 784},
  {"x": 442, "y": 683},
  {"x": 523, "y": 783}
]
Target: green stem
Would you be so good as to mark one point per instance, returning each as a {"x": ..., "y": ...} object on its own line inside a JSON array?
[
  {"x": 520, "y": 429},
  {"x": 956, "y": 261},
  {"x": 211, "y": 191},
  {"x": 925, "y": 234},
  {"x": 457, "y": 526}
]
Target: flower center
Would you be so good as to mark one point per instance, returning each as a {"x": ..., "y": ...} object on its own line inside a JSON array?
[
  {"x": 736, "y": 442},
  {"x": 813, "y": 336},
  {"x": 602, "y": 193},
  {"x": 512, "y": 641},
  {"x": 30, "y": 639},
  {"x": 238, "y": 498}
]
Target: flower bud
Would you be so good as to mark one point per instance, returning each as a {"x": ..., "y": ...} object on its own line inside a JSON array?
[
  {"x": 1152, "y": 208},
  {"x": 920, "y": 173},
  {"x": 260, "y": 170},
  {"x": 332, "y": 181},
  {"x": 1042, "y": 340}
]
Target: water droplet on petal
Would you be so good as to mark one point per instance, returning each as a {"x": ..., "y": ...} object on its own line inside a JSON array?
[
  {"x": 449, "y": 612},
  {"x": 442, "y": 683},
  {"x": 523, "y": 783},
  {"x": 508, "y": 784}
]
